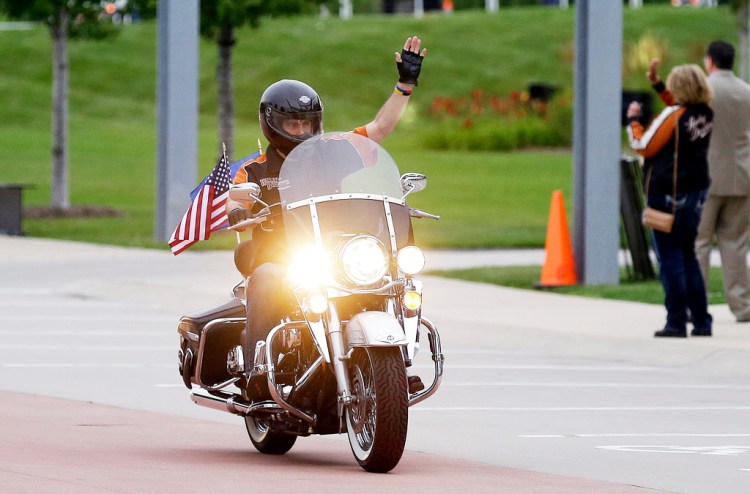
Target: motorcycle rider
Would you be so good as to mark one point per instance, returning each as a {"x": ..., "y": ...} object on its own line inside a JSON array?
[{"x": 291, "y": 112}]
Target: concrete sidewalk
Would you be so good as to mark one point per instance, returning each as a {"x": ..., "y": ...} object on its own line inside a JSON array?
[{"x": 157, "y": 279}]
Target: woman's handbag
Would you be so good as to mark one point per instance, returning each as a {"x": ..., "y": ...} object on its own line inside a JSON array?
[
  {"x": 658, "y": 220},
  {"x": 661, "y": 220}
]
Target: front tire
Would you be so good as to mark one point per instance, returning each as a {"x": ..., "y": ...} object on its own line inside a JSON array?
[{"x": 377, "y": 420}]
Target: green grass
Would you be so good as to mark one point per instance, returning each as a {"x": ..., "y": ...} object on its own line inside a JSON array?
[
  {"x": 485, "y": 199},
  {"x": 525, "y": 277}
]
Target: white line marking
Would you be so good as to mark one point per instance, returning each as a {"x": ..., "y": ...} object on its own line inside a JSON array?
[
  {"x": 597, "y": 385},
  {"x": 52, "y": 365},
  {"x": 89, "y": 348},
  {"x": 66, "y": 365},
  {"x": 82, "y": 332},
  {"x": 576, "y": 409},
  {"x": 732, "y": 450},
  {"x": 64, "y": 303},
  {"x": 744, "y": 469},
  {"x": 543, "y": 436},
  {"x": 85, "y": 317},
  {"x": 543, "y": 367}
]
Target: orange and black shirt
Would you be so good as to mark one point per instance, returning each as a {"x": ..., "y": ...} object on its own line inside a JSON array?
[{"x": 657, "y": 145}]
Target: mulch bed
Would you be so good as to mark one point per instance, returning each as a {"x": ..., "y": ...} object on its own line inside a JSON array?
[{"x": 77, "y": 211}]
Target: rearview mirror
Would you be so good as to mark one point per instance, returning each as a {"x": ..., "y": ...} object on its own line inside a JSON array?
[
  {"x": 245, "y": 193},
  {"x": 412, "y": 182}
]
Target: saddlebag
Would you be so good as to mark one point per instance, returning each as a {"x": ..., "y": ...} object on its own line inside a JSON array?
[{"x": 206, "y": 337}]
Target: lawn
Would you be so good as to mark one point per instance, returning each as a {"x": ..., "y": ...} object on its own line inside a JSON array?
[{"x": 486, "y": 199}]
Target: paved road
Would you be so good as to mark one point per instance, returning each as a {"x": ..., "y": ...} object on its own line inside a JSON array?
[{"x": 548, "y": 393}]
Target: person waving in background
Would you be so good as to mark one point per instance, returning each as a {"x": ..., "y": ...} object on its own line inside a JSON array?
[{"x": 675, "y": 150}]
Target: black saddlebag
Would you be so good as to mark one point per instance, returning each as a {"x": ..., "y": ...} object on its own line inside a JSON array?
[{"x": 205, "y": 340}]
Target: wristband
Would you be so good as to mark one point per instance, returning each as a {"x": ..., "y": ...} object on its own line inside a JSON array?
[{"x": 401, "y": 91}]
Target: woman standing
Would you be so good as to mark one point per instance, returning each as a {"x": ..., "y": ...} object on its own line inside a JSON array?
[{"x": 678, "y": 137}]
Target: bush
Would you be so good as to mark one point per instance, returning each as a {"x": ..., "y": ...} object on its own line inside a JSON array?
[{"x": 485, "y": 122}]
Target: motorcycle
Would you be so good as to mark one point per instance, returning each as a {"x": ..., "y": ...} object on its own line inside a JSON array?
[{"x": 338, "y": 361}]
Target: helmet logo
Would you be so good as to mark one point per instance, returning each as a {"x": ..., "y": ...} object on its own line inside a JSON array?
[{"x": 304, "y": 100}]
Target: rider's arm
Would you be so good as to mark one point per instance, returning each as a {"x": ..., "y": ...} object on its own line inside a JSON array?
[
  {"x": 238, "y": 211},
  {"x": 409, "y": 63}
]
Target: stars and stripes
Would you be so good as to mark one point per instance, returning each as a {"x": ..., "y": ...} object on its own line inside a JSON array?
[{"x": 207, "y": 212}]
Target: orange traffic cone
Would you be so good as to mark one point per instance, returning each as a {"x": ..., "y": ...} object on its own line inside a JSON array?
[{"x": 559, "y": 266}]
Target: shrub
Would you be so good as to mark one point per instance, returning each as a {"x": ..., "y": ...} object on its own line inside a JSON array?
[{"x": 486, "y": 122}]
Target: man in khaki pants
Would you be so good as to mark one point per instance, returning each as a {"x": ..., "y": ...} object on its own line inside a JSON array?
[{"x": 726, "y": 214}]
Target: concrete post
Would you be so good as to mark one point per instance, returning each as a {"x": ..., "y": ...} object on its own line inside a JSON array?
[
  {"x": 177, "y": 100},
  {"x": 596, "y": 142}
]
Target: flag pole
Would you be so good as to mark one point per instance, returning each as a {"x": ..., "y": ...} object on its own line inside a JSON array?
[{"x": 224, "y": 152}]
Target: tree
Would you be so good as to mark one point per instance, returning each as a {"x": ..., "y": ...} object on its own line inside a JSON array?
[
  {"x": 65, "y": 19},
  {"x": 219, "y": 20}
]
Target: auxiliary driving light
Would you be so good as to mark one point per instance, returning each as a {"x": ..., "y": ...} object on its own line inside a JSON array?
[
  {"x": 310, "y": 266},
  {"x": 318, "y": 303},
  {"x": 410, "y": 260},
  {"x": 412, "y": 300}
]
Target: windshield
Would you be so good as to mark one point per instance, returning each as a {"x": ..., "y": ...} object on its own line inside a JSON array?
[
  {"x": 343, "y": 184},
  {"x": 337, "y": 163}
]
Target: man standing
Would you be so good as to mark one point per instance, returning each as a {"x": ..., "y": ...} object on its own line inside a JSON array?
[{"x": 726, "y": 215}]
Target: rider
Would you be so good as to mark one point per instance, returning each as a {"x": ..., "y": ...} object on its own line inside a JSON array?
[{"x": 291, "y": 112}]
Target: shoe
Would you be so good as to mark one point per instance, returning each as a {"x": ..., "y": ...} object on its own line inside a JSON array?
[
  {"x": 670, "y": 333},
  {"x": 415, "y": 384},
  {"x": 701, "y": 332}
]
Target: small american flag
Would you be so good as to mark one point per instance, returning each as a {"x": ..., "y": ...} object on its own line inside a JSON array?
[{"x": 207, "y": 213}]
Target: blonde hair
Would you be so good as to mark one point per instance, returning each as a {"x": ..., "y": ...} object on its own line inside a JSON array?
[{"x": 689, "y": 85}]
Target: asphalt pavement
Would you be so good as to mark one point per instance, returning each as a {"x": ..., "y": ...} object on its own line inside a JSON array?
[{"x": 96, "y": 324}]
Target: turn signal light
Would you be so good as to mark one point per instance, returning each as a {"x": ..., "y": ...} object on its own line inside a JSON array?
[{"x": 412, "y": 300}]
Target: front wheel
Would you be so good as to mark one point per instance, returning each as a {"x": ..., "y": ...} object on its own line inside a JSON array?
[{"x": 377, "y": 420}]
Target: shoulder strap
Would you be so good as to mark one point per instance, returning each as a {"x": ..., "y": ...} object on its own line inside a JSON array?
[{"x": 674, "y": 166}]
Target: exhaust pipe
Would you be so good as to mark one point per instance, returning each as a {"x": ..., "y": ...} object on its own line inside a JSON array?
[{"x": 226, "y": 402}]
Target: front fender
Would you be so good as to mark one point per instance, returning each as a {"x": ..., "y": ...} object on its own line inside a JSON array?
[{"x": 374, "y": 328}]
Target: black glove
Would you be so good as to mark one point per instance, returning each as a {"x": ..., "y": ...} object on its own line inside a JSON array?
[
  {"x": 239, "y": 214},
  {"x": 409, "y": 67}
]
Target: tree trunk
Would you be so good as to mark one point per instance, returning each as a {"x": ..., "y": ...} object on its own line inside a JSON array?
[
  {"x": 225, "y": 115},
  {"x": 59, "y": 33},
  {"x": 744, "y": 41}
]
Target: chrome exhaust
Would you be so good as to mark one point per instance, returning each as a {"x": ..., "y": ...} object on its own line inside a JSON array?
[{"x": 226, "y": 402}]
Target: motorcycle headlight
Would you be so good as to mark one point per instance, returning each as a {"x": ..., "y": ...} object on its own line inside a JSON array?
[
  {"x": 364, "y": 260},
  {"x": 310, "y": 266},
  {"x": 410, "y": 260}
]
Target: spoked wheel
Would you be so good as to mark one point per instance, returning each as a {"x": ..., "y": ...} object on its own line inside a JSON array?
[
  {"x": 265, "y": 440},
  {"x": 377, "y": 420}
]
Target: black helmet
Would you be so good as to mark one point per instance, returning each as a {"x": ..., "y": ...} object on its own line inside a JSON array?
[{"x": 289, "y": 100}]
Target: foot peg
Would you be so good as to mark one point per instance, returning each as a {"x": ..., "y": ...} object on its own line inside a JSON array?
[{"x": 415, "y": 384}]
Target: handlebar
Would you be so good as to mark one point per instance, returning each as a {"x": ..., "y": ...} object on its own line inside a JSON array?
[{"x": 255, "y": 220}]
